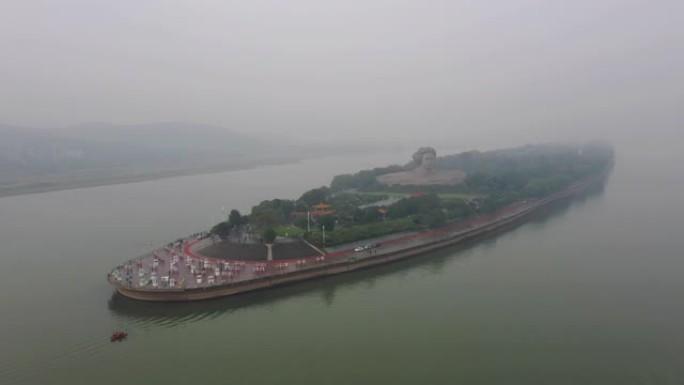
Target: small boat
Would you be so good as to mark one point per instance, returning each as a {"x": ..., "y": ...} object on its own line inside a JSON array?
[{"x": 118, "y": 336}]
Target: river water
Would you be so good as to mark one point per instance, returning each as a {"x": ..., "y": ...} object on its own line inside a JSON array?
[{"x": 588, "y": 292}]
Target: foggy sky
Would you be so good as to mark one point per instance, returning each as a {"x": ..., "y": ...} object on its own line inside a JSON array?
[{"x": 514, "y": 70}]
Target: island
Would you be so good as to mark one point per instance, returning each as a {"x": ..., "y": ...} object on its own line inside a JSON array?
[{"x": 365, "y": 219}]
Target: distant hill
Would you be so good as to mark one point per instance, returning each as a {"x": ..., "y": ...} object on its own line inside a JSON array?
[
  {"x": 34, "y": 159},
  {"x": 17, "y": 135},
  {"x": 174, "y": 136}
]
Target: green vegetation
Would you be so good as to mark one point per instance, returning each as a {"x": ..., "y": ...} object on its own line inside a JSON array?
[
  {"x": 269, "y": 235},
  {"x": 357, "y": 202},
  {"x": 235, "y": 219},
  {"x": 289, "y": 231},
  {"x": 362, "y": 180},
  {"x": 356, "y": 233},
  {"x": 221, "y": 229},
  {"x": 315, "y": 196},
  {"x": 457, "y": 196},
  {"x": 271, "y": 213},
  {"x": 382, "y": 195}
]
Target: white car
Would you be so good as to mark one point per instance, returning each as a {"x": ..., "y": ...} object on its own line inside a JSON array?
[{"x": 359, "y": 248}]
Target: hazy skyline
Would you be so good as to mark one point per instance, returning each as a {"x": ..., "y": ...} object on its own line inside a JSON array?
[{"x": 511, "y": 71}]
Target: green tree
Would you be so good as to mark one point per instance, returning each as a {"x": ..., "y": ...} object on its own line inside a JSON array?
[
  {"x": 270, "y": 213},
  {"x": 264, "y": 218},
  {"x": 235, "y": 218},
  {"x": 245, "y": 220},
  {"x": 315, "y": 196},
  {"x": 414, "y": 205},
  {"x": 302, "y": 223},
  {"x": 221, "y": 229},
  {"x": 269, "y": 235},
  {"x": 328, "y": 221},
  {"x": 434, "y": 218},
  {"x": 367, "y": 215}
]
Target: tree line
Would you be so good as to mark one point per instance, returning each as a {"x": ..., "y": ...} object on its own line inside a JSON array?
[{"x": 494, "y": 179}]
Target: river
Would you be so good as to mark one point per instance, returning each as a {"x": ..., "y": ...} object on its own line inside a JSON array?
[{"x": 588, "y": 292}]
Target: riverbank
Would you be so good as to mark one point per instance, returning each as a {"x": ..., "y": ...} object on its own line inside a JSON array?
[
  {"x": 17, "y": 184},
  {"x": 94, "y": 178},
  {"x": 193, "y": 276}
]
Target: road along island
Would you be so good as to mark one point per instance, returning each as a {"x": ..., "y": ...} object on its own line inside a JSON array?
[{"x": 234, "y": 258}]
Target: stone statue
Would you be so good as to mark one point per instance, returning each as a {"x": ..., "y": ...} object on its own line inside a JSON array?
[{"x": 425, "y": 173}]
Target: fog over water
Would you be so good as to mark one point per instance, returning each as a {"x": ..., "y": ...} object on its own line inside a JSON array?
[{"x": 466, "y": 71}]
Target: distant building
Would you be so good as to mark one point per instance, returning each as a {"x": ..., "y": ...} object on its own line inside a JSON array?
[{"x": 316, "y": 211}]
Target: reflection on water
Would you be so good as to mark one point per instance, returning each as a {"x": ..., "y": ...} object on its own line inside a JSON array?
[
  {"x": 328, "y": 295},
  {"x": 553, "y": 211},
  {"x": 151, "y": 314}
]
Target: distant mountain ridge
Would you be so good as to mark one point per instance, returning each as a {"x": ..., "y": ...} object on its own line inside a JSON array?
[
  {"x": 33, "y": 159},
  {"x": 100, "y": 142},
  {"x": 166, "y": 135}
]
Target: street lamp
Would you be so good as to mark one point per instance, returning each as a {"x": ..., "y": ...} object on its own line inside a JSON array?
[{"x": 323, "y": 236}]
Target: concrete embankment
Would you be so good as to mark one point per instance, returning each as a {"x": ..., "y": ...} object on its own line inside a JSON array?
[{"x": 347, "y": 260}]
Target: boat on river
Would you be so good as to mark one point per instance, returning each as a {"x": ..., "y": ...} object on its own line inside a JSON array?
[{"x": 118, "y": 336}]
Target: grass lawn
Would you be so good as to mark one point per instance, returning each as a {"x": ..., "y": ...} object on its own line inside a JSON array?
[
  {"x": 449, "y": 196},
  {"x": 445, "y": 196},
  {"x": 384, "y": 193},
  {"x": 289, "y": 231}
]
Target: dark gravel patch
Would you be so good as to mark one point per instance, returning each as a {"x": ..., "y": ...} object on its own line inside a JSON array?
[{"x": 257, "y": 252}]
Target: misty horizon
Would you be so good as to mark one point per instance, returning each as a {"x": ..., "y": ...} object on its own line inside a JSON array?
[{"x": 468, "y": 72}]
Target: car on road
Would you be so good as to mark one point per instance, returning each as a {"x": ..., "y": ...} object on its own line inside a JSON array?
[{"x": 367, "y": 246}]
